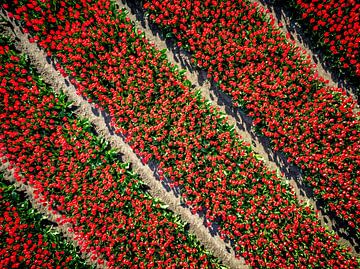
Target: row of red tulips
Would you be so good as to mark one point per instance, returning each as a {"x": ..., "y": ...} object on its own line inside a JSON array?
[
  {"x": 27, "y": 240},
  {"x": 150, "y": 103},
  {"x": 113, "y": 217},
  {"x": 268, "y": 76},
  {"x": 334, "y": 26}
]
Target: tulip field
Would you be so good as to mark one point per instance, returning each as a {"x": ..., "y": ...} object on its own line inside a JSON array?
[
  {"x": 251, "y": 60},
  {"x": 334, "y": 26},
  {"x": 116, "y": 222},
  {"x": 28, "y": 241},
  {"x": 78, "y": 175}
]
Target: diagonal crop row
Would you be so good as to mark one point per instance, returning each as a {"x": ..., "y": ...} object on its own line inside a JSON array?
[
  {"x": 79, "y": 176},
  {"x": 27, "y": 239},
  {"x": 100, "y": 122},
  {"x": 269, "y": 77},
  {"x": 115, "y": 67},
  {"x": 334, "y": 27}
]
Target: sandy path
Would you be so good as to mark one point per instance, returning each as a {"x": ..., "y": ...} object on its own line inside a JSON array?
[
  {"x": 100, "y": 120},
  {"x": 243, "y": 124}
]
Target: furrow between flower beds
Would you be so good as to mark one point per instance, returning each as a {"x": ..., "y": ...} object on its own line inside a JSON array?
[
  {"x": 30, "y": 224},
  {"x": 78, "y": 175},
  {"x": 251, "y": 60},
  {"x": 190, "y": 143}
]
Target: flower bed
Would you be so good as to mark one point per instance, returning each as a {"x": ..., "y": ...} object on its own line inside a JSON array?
[
  {"x": 113, "y": 217},
  {"x": 271, "y": 79},
  {"x": 165, "y": 122},
  {"x": 28, "y": 241},
  {"x": 334, "y": 28}
]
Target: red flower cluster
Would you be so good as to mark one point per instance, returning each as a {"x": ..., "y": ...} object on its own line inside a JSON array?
[
  {"x": 114, "y": 66},
  {"x": 78, "y": 175},
  {"x": 335, "y": 25},
  {"x": 269, "y": 77},
  {"x": 26, "y": 241}
]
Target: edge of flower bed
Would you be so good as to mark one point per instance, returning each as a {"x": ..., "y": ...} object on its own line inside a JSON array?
[
  {"x": 291, "y": 27},
  {"x": 9, "y": 175},
  {"x": 54, "y": 78},
  {"x": 243, "y": 124}
]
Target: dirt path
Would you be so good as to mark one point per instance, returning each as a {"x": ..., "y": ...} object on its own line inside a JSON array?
[
  {"x": 41, "y": 207},
  {"x": 100, "y": 121},
  {"x": 243, "y": 124}
]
